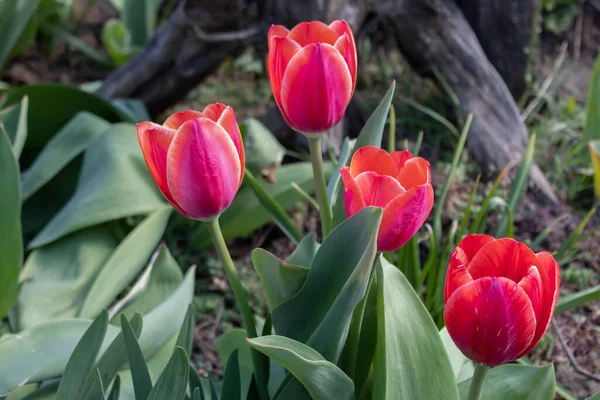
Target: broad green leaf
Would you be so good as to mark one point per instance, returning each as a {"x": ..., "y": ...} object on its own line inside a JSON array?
[
  {"x": 462, "y": 367},
  {"x": 163, "y": 277},
  {"x": 410, "y": 360},
  {"x": 305, "y": 252},
  {"x": 125, "y": 263},
  {"x": 82, "y": 360},
  {"x": 137, "y": 363},
  {"x": 15, "y": 17},
  {"x": 113, "y": 359},
  {"x": 45, "y": 392},
  {"x": 135, "y": 109},
  {"x": 516, "y": 382},
  {"x": 140, "y": 19},
  {"x": 263, "y": 152},
  {"x": 246, "y": 214},
  {"x": 280, "y": 279},
  {"x": 321, "y": 378},
  {"x": 186, "y": 333},
  {"x": 195, "y": 385},
  {"x": 121, "y": 188},
  {"x": 56, "y": 278},
  {"x": 44, "y": 118},
  {"x": 96, "y": 390},
  {"x": 235, "y": 341},
  {"x": 11, "y": 242},
  {"x": 14, "y": 119},
  {"x": 172, "y": 383},
  {"x": 116, "y": 389},
  {"x": 68, "y": 143},
  {"x": 42, "y": 352},
  {"x": 197, "y": 394},
  {"x": 320, "y": 312},
  {"x": 370, "y": 135},
  {"x": 231, "y": 381},
  {"x": 594, "y": 397},
  {"x": 117, "y": 41},
  {"x": 591, "y": 129}
]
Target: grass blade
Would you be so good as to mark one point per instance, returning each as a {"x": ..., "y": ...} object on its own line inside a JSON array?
[{"x": 142, "y": 384}]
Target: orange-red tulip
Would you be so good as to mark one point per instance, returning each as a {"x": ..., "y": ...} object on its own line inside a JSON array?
[
  {"x": 312, "y": 70},
  {"x": 196, "y": 159},
  {"x": 397, "y": 182},
  {"x": 499, "y": 297}
]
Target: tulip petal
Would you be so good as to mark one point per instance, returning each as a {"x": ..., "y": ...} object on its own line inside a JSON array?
[
  {"x": 306, "y": 33},
  {"x": 371, "y": 158},
  {"x": 316, "y": 88},
  {"x": 456, "y": 276},
  {"x": 503, "y": 257},
  {"x": 415, "y": 171},
  {"x": 341, "y": 28},
  {"x": 549, "y": 272},
  {"x": 378, "y": 190},
  {"x": 470, "y": 245},
  {"x": 400, "y": 157},
  {"x": 276, "y": 30},
  {"x": 203, "y": 168},
  {"x": 229, "y": 123},
  {"x": 155, "y": 140},
  {"x": 177, "y": 119},
  {"x": 490, "y": 320},
  {"x": 353, "y": 198},
  {"x": 532, "y": 286},
  {"x": 281, "y": 52},
  {"x": 214, "y": 111},
  {"x": 403, "y": 216}
]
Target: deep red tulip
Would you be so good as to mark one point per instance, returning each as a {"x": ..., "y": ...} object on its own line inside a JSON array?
[
  {"x": 398, "y": 182},
  {"x": 312, "y": 70},
  {"x": 499, "y": 297},
  {"x": 196, "y": 159}
]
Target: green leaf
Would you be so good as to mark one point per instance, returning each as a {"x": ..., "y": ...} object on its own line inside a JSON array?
[
  {"x": 246, "y": 214},
  {"x": 155, "y": 285},
  {"x": 235, "y": 341},
  {"x": 172, "y": 383},
  {"x": 69, "y": 142},
  {"x": 11, "y": 242},
  {"x": 197, "y": 394},
  {"x": 116, "y": 389},
  {"x": 591, "y": 129},
  {"x": 113, "y": 359},
  {"x": 42, "y": 352},
  {"x": 343, "y": 159},
  {"x": 56, "y": 278},
  {"x": 15, "y": 16},
  {"x": 462, "y": 367},
  {"x": 186, "y": 333},
  {"x": 140, "y": 19},
  {"x": 96, "y": 389},
  {"x": 77, "y": 43},
  {"x": 81, "y": 362},
  {"x": 263, "y": 152},
  {"x": 280, "y": 217},
  {"x": 321, "y": 378},
  {"x": 231, "y": 382},
  {"x": 516, "y": 382},
  {"x": 410, "y": 360},
  {"x": 44, "y": 119},
  {"x": 125, "y": 263},
  {"x": 137, "y": 364},
  {"x": 135, "y": 109},
  {"x": 195, "y": 384},
  {"x": 370, "y": 135},
  {"x": 571, "y": 301},
  {"x": 121, "y": 188},
  {"x": 280, "y": 279},
  {"x": 116, "y": 39},
  {"x": 305, "y": 252},
  {"x": 594, "y": 397},
  {"x": 15, "y": 122}
]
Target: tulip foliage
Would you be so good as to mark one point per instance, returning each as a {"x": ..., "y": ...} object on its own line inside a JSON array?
[{"x": 352, "y": 313}]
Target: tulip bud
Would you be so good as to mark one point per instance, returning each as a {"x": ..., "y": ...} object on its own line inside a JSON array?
[
  {"x": 499, "y": 298},
  {"x": 312, "y": 70},
  {"x": 196, "y": 159},
  {"x": 397, "y": 182}
]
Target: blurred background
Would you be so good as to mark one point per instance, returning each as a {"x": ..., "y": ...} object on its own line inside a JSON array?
[{"x": 521, "y": 67}]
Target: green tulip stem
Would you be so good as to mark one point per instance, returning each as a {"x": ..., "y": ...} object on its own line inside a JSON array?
[
  {"x": 477, "y": 382},
  {"x": 258, "y": 359},
  {"x": 320, "y": 185}
]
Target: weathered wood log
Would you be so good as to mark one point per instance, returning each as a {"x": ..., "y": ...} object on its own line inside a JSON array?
[
  {"x": 504, "y": 29},
  {"x": 435, "y": 34}
]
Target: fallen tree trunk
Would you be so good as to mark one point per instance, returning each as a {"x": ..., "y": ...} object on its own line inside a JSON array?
[{"x": 432, "y": 34}]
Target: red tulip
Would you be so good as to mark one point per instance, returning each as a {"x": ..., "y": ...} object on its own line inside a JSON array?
[
  {"x": 397, "y": 182},
  {"x": 312, "y": 70},
  {"x": 196, "y": 159},
  {"x": 499, "y": 297}
]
